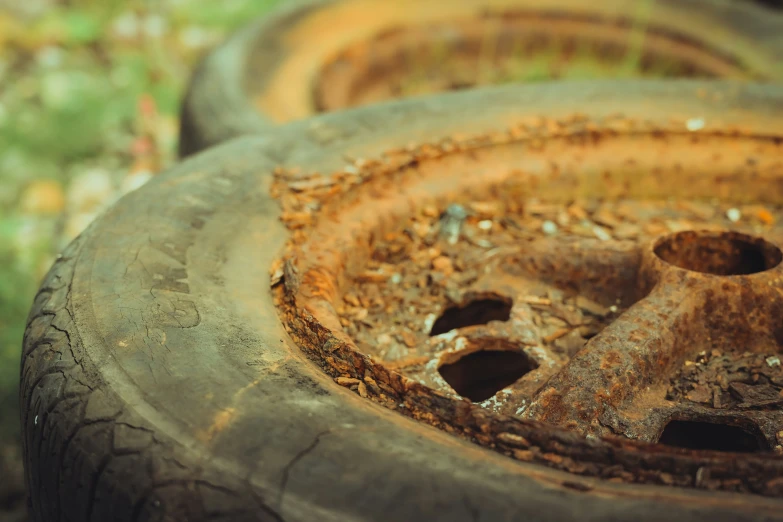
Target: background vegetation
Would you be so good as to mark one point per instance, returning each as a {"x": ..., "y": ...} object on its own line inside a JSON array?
[{"x": 89, "y": 96}]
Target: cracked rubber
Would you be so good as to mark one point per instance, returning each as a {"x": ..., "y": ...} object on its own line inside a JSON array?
[
  {"x": 158, "y": 383},
  {"x": 265, "y": 73}
]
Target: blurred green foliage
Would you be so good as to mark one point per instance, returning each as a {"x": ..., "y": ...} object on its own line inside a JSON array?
[{"x": 71, "y": 83}]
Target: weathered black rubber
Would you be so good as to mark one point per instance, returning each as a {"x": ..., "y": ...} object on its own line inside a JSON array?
[
  {"x": 221, "y": 102},
  {"x": 158, "y": 383}
]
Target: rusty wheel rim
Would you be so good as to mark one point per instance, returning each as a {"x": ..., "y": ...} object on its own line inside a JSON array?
[
  {"x": 514, "y": 46},
  {"x": 369, "y": 51},
  {"x": 271, "y": 72},
  {"x": 585, "y": 419}
]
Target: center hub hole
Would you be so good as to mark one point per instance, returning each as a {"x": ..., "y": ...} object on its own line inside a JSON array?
[
  {"x": 480, "y": 375},
  {"x": 711, "y": 436},
  {"x": 718, "y": 253}
]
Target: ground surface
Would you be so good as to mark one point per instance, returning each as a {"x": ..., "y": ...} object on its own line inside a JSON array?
[{"x": 89, "y": 95}]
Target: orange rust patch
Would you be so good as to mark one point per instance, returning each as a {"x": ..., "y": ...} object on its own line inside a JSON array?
[{"x": 610, "y": 360}]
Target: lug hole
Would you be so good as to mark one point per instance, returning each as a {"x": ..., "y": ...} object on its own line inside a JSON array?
[
  {"x": 479, "y": 375},
  {"x": 714, "y": 436},
  {"x": 475, "y": 312}
]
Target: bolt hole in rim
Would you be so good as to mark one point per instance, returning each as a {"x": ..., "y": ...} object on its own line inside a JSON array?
[
  {"x": 714, "y": 436},
  {"x": 480, "y": 374},
  {"x": 723, "y": 254},
  {"x": 475, "y": 312}
]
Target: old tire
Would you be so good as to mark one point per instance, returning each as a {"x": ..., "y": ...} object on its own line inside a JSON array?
[
  {"x": 158, "y": 383},
  {"x": 270, "y": 71}
]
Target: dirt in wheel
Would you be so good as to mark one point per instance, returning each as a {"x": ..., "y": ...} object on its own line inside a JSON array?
[
  {"x": 467, "y": 304},
  {"x": 321, "y": 56},
  {"x": 560, "y": 302}
]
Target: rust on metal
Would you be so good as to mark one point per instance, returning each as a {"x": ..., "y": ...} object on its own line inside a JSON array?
[
  {"x": 512, "y": 45},
  {"x": 611, "y": 284}
]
